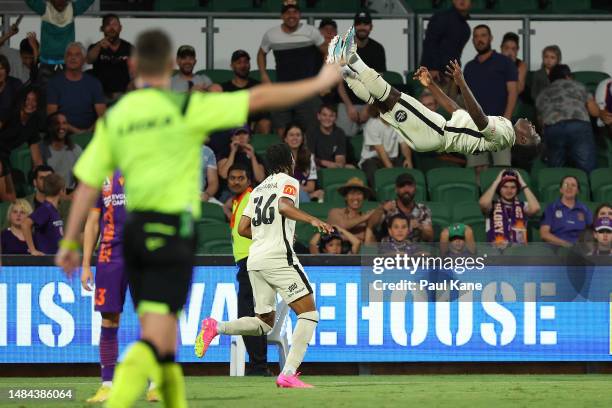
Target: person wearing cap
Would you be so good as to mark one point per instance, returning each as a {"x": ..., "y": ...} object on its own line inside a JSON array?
[
  {"x": 383, "y": 147},
  {"x": 297, "y": 48},
  {"x": 457, "y": 240},
  {"x": 418, "y": 214},
  {"x": 351, "y": 112},
  {"x": 328, "y": 29},
  {"x": 446, "y": 35},
  {"x": 241, "y": 151},
  {"x": 603, "y": 237},
  {"x": 565, "y": 218},
  {"x": 339, "y": 242},
  {"x": 185, "y": 79},
  {"x": 109, "y": 57},
  {"x": 241, "y": 67},
  {"x": 506, "y": 215},
  {"x": 351, "y": 217}
]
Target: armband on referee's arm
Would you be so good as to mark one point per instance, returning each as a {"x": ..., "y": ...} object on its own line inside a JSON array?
[{"x": 70, "y": 245}]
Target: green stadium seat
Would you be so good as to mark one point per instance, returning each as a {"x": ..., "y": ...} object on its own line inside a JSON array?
[
  {"x": 271, "y": 73},
  {"x": 21, "y": 160},
  {"x": 318, "y": 210},
  {"x": 213, "y": 213},
  {"x": 356, "y": 143},
  {"x": 570, "y": 6},
  {"x": 261, "y": 142},
  {"x": 392, "y": 77},
  {"x": 334, "y": 6},
  {"x": 440, "y": 216},
  {"x": 82, "y": 139},
  {"x": 427, "y": 161},
  {"x": 488, "y": 176},
  {"x": 218, "y": 76},
  {"x": 601, "y": 184},
  {"x": 516, "y": 6},
  {"x": 213, "y": 238},
  {"x": 452, "y": 184},
  {"x": 304, "y": 232},
  {"x": 176, "y": 5},
  {"x": 421, "y": 6},
  {"x": 529, "y": 250},
  {"x": 331, "y": 179},
  {"x": 469, "y": 213},
  {"x": 524, "y": 110},
  {"x": 4, "y": 205},
  {"x": 385, "y": 183},
  {"x": 550, "y": 178},
  {"x": 590, "y": 79},
  {"x": 592, "y": 205}
]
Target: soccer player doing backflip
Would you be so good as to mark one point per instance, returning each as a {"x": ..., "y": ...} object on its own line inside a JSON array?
[
  {"x": 468, "y": 131},
  {"x": 269, "y": 220}
]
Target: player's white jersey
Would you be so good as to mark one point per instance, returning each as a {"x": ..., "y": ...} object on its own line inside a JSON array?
[
  {"x": 272, "y": 234},
  {"x": 462, "y": 135}
]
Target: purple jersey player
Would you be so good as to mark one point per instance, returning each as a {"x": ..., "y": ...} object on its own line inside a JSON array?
[{"x": 106, "y": 221}]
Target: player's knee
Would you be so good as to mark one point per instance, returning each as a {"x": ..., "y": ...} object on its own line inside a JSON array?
[
  {"x": 312, "y": 316},
  {"x": 268, "y": 320},
  {"x": 110, "y": 319}
]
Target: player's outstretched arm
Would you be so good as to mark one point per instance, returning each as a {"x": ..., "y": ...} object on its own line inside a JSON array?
[
  {"x": 268, "y": 97},
  {"x": 287, "y": 209},
  {"x": 424, "y": 77},
  {"x": 244, "y": 227},
  {"x": 68, "y": 256},
  {"x": 453, "y": 69}
]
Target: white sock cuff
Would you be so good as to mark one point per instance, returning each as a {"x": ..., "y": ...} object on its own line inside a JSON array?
[{"x": 312, "y": 316}]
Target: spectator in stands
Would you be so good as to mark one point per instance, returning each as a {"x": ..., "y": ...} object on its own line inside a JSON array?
[
  {"x": 38, "y": 197},
  {"x": 12, "y": 238},
  {"x": 510, "y": 48},
  {"x": 238, "y": 181},
  {"x": 493, "y": 79},
  {"x": 382, "y": 146},
  {"x": 22, "y": 127},
  {"x": 305, "y": 168},
  {"x": 241, "y": 66},
  {"x": 297, "y": 49},
  {"x": 603, "y": 237},
  {"x": 328, "y": 29},
  {"x": 351, "y": 112},
  {"x": 352, "y": 217},
  {"x": 603, "y": 97},
  {"x": 77, "y": 95},
  {"x": 240, "y": 151},
  {"x": 506, "y": 215},
  {"x": 396, "y": 241},
  {"x": 427, "y": 99},
  {"x": 185, "y": 79},
  {"x": 587, "y": 239},
  {"x": 57, "y": 31},
  {"x": 418, "y": 214},
  {"x": 340, "y": 241},
  {"x": 563, "y": 109},
  {"x": 58, "y": 150},
  {"x": 23, "y": 62},
  {"x": 46, "y": 220},
  {"x": 9, "y": 89},
  {"x": 551, "y": 56},
  {"x": 210, "y": 176},
  {"x": 327, "y": 141},
  {"x": 566, "y": 217},
  {"x": 457, "y": 240},
  {"x": 446, "y": 35},
  {"x": 109, "y": 57}
]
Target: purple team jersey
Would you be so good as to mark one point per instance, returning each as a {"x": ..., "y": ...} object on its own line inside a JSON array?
[
  {"x": 111, "y": 279},
  {"x": 12, "y": 245},
  {"x": 48, "y": 228}
]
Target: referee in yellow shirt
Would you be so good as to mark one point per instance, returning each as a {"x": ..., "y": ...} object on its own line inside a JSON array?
[{"x": 239, "y": 183}]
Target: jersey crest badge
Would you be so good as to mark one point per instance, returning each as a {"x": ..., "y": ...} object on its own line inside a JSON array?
[
  {"x": 289, "y": 190},
  {"x": 401, "y": 116}
]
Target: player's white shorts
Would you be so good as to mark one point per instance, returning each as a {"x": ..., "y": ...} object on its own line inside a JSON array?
[{"x": 290, "y": 282}]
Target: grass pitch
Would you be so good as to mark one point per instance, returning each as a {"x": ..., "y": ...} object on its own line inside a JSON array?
[{"x": 420, "y": 391}]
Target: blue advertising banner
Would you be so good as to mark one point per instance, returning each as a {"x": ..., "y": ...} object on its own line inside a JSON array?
[{"x": 520, "y": 313}]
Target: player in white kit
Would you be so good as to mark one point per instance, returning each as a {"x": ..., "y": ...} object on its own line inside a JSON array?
[
  {"x": 269, "y": 220},
  {"x": 468, "y": 132}
]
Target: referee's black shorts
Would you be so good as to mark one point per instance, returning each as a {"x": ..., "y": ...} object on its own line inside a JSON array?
[{"x": 159, "y": 253}]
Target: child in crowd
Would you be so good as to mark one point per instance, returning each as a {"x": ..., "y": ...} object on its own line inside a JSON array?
[
  {"x": 46, "y": 219},
  {"x": 457, "y": 240},
  {"x": 340, "y": 241}
]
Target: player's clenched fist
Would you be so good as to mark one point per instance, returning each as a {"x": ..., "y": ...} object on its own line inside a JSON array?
[
  {"x": 68, "y": 260},
  {"x": 423, "y": 76}
]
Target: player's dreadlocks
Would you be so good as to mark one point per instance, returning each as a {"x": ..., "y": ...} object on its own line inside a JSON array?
[{"x": 280, "y": 159}]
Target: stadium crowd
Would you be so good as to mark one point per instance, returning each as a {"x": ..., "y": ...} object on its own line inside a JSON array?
[{"x": 49, "y": 102}]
